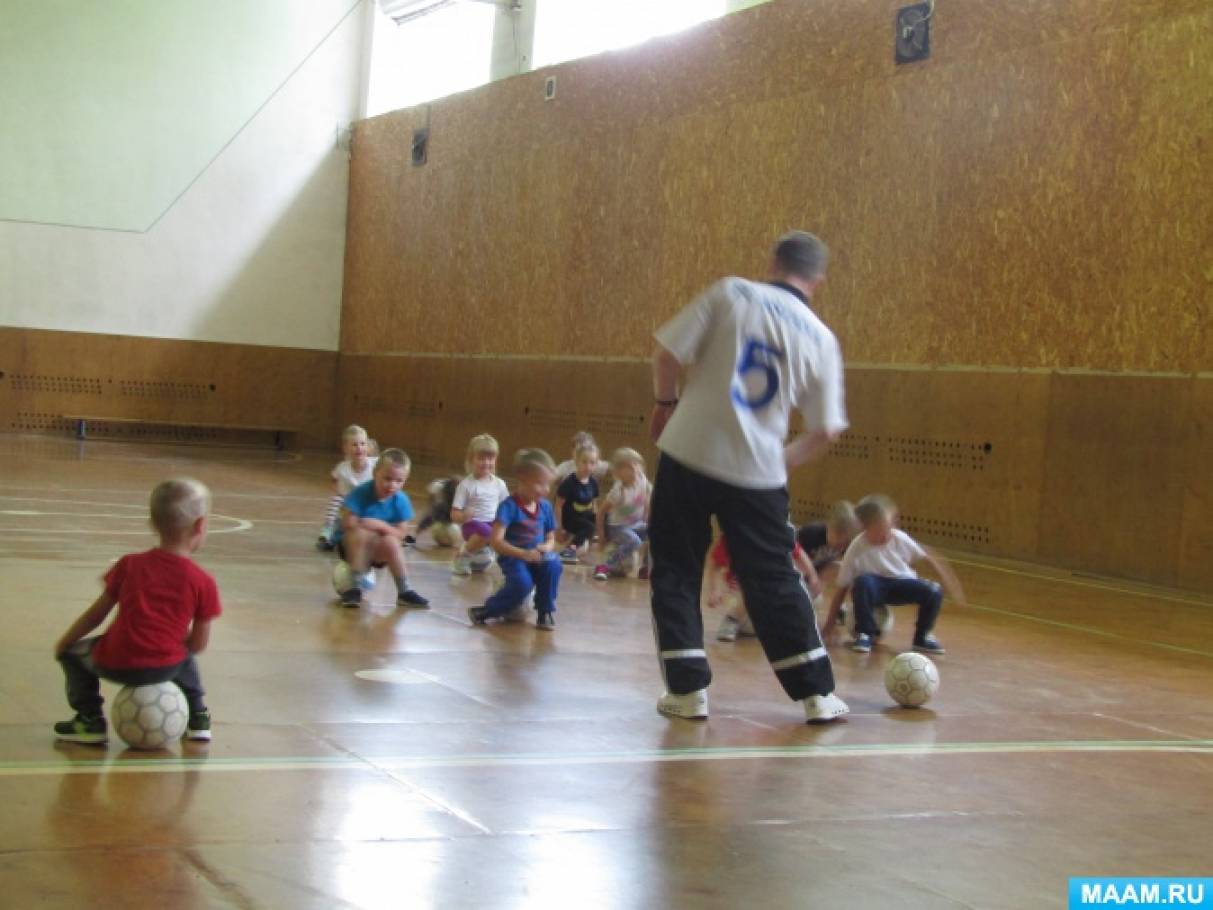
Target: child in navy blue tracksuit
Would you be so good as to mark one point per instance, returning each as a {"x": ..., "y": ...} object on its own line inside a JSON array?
[{"x": 524, "y": 536}]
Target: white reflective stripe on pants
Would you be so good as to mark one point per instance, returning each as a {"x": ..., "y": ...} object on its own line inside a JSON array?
[
  {"x": 685, "y": 652},
  {"x": 796, "y": 660}
]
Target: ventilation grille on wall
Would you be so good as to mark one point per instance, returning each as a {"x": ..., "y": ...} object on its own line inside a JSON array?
[
  {"x": 957, "y": 532},
  {"x": 854, "y": 445},
  {"x": 148, "y": 388},
  {"x": 596, "y": 422},
  {"x": 38, "y": 420},
  {"x": 954, "y": 454},
  {"x": 62, "y": 385},
  {"x": 939, "y": 453},
  {"x": 806, "y": 510}
]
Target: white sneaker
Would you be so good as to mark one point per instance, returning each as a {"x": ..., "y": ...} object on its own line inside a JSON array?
[
  {"x": 692, "y": 706},
  {"x": 729, "y": 627},
  {"x": 821, "y": 709},
  {"x": 461, "y": 565}
]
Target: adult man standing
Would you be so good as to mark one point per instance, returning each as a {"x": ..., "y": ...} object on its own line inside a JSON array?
[{"x": 751, "y": 352}]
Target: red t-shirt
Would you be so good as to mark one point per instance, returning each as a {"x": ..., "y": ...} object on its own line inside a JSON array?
[
  {"x": 719, "y": 556},
  {"x": 160, "y": 595}
]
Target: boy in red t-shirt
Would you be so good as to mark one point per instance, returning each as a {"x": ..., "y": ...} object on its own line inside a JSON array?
[
  {"x": 165, "y": 607},
  {"x": 723, "y": 588}
]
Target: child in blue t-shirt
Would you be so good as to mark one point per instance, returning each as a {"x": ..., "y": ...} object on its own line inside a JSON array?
[
  {"x": 524, "y": 536},
  {"x": 374, "y": 521}
]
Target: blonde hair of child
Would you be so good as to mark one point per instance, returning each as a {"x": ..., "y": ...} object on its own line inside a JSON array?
[
  {"x": 352, "y": 431},
  {"x": 874, "y": 508},
  {"x": 842, "y": 517},
  {"x": 628, "y": 456},
  {"x": 482, "y": 443},
  {"x": 372, "y": 447},
  {"x": 176, "y": 504},
  {"x": 397, "y": 457},
  {"x": 527, "y": 460},
  {"x": 583, "y": 438}
]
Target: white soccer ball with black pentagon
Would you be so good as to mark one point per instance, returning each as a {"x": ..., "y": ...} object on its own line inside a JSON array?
[
  {"x": 150, "y": 717},
  {"x": 343, "y": 577},
  {"x": 481, "y": 560},
  {"x": 911, "y": 679}
]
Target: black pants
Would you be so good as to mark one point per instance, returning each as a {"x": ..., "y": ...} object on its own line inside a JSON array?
[
  {"x": 760, "y": 539},
  {"x": 872, "y": 591},
  {"x": 84, "y": 679},
  {"x": 581, "y": 526}
]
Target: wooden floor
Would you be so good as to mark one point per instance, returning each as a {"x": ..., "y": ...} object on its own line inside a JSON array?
[{"x": 505, "y": 767}]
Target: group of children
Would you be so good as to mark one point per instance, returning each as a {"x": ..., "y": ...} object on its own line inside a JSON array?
[{"x": 166, "y": 603}]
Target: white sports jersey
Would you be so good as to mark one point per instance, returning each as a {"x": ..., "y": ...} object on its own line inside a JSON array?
[
  {"x": 347, "y": 478},
  {"x": 753, "y": 352},
  {"x": 480, "y": 498},
  {"x": 888, "y": 560}
]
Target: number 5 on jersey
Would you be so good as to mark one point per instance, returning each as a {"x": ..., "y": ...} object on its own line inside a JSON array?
[{"x": 760, "y": 359}]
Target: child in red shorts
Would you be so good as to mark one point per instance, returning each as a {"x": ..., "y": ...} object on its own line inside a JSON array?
[
  {"x": 724, "y": 589},
  {"x": 166, "y": 603}
]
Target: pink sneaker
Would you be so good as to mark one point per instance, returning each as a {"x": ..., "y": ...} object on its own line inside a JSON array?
[{"x": 601, "y": 573}]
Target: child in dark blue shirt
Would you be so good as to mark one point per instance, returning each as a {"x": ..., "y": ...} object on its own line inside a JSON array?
[{"x": 524, "y": 536}]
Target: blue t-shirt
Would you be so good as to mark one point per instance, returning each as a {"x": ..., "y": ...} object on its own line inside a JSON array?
[
  {"x": 365, "y": 503},
  {"x": 523, "y": 529}
]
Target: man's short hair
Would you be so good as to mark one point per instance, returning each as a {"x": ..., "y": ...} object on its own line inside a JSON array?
[
  {"x": 176, "y": 504},
  {"x": 801, "y": 254}
]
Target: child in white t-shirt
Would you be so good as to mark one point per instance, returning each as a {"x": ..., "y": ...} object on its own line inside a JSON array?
[
  {"x": 355, "y": 470},
  {"x": 876, "y": 569},
  {"x": 475, "y": 505},
  {"x": 623, "y": 519}
]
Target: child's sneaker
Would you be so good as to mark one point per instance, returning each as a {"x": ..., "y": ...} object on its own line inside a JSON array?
[
  {"x": 352, "y": 598},
  {"x": 91, "y": 731},
  {"x": 729, "y": 627},
  {"x": 601, "y": 573},
  {"x": 461, "y": 565},
  {"x": 411, "y": 598},
  {"x": 199, "y": 727},
  {"x": 546, "y": 622},
  {"x": 569, "y": 556},
  {"x": 365, "y": 580},
  {"x": 862, "y": 643},
  {"x": 929, "y": 644},
  {"x": 692, "y": 706},
  {"x": 478, "y": 615},
  {"x": 324, "y": 543},
  {"x": 821, "y": 709}
]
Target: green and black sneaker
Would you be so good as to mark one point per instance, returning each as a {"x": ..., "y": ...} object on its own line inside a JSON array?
[
  {"x": 199, "y": 727},
  {"x": 91, "y": 731}
]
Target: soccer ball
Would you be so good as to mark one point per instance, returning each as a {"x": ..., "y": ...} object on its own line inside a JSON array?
[
  {"x": 150, "y": 717},
  {"x": 882, "y": 614},
  {"x": 481, "y": 560},
  {"x": 445, "y": 535},
  {"x": 911, "y": 679},
  {"x": 345, "y": 578}
]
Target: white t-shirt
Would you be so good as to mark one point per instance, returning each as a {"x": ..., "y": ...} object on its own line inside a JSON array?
[
  {"x": 629, "y": 505},
  {"x": 347, "y": 478},
  {"x": 753, "y": 352},
  {"x": 565, "y": 468},
  {"x": 480, "y": 498},
  {"x": 890, "y": 560}
]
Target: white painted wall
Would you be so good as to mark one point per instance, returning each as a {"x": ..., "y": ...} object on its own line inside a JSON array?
[{"x": 193, "y": 146}]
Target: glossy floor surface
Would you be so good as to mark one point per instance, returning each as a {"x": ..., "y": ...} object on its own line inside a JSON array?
[{"x": 387, "y": 759}]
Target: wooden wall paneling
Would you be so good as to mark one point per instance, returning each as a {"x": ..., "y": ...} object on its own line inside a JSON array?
[
  {"x": 50, "y": 374},
  {"x": 1196, "y": 524},
  {"x": 977, "y": 203},
  {"x": 1113, "y": 489}
]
